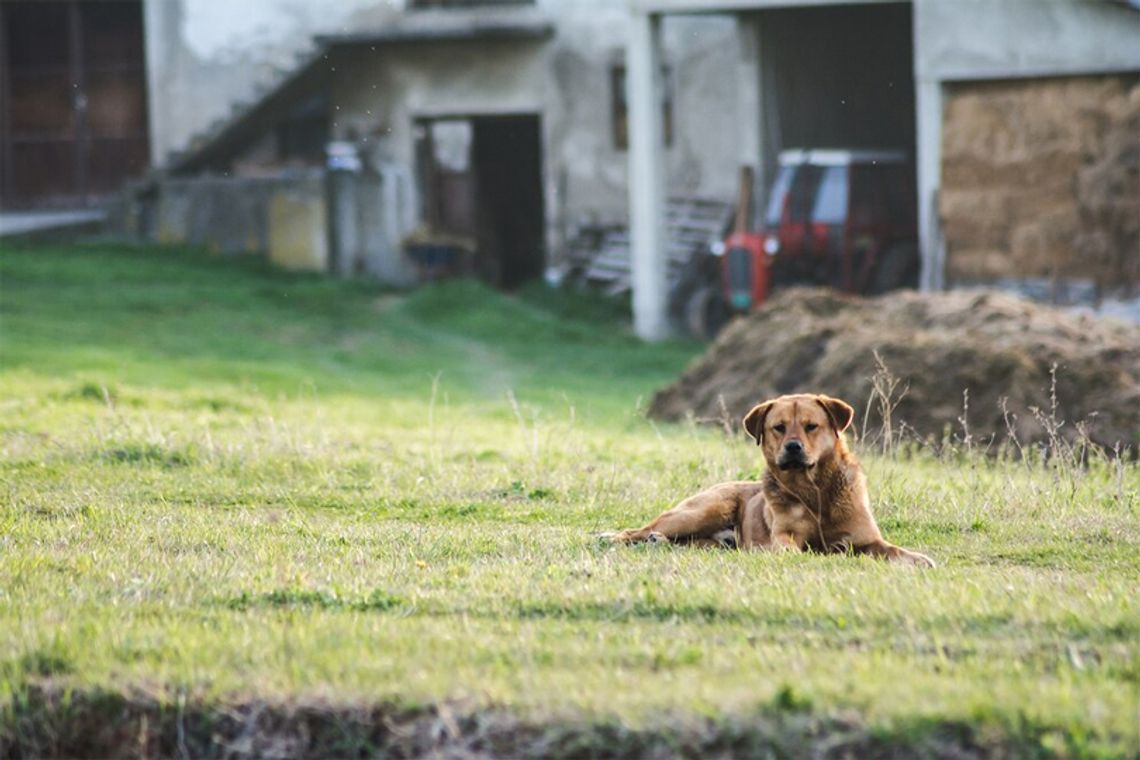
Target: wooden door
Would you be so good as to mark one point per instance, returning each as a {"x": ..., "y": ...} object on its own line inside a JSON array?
[{"x": 73, "y": 121}]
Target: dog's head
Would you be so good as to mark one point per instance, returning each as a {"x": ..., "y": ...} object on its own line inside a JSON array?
[{"x": 798, "y": 432}]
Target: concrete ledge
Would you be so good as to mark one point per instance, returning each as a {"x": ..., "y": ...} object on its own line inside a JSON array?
[
  {"x": 228, "y": 215},
  {"x": 50, "y": 225}
]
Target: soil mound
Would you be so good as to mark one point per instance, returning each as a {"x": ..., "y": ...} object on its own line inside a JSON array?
[{"x": 997, "y": 348}]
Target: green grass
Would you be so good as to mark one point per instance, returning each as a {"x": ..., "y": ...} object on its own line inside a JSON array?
[{"x": 222, "y": 485}]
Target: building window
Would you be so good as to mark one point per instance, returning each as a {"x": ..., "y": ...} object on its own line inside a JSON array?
[
  {"x": 620, "y": 107},
  {"x": 464, "y": 3}
]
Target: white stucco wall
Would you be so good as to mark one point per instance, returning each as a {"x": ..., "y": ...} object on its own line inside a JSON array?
[
  {"x": 205, "y": 56},
  {"x": 384, "y": 91}
]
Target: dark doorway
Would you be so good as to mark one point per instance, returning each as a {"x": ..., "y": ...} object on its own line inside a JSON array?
[
  {"x": 481, "y": 179},
  {"x": 508, "y": 198},
  {"x": 73, "y": 120},
  {"x": 840, "y": 76}
]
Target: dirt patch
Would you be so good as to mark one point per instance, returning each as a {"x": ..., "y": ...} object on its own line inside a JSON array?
[
  {"x": 992, "y": 345},
  {"x": 49, "y": 723}
]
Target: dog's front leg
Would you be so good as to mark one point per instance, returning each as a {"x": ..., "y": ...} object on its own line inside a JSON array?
[
  {"x": 677, "y": 523},
  {"x": 637, "y": 536},
  {"x": 698, "y": 517}
]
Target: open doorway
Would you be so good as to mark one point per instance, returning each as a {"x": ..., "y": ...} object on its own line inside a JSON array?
[
  {"x": 481, "y": 181},
  {"x": 839, "y": 77}
]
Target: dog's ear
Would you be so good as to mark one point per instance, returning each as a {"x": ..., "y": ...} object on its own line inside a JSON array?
[
  {"x": 839, "y": 412},
  {"x": 754, "y": 421}
]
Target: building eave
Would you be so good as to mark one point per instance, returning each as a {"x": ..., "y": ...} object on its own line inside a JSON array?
[
  {"x": 735, "y": 6},
  {"x": 482, "y": 24}
]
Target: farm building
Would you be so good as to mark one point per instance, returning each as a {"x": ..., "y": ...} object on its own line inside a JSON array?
[
  {"x": 502, "y": 126},
  {"x": 1023, "y": 117},
  {"x": 340, "y": 134}
]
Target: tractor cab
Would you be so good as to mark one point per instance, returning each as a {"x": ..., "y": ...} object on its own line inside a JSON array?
[{"x": 844, "y": 219}]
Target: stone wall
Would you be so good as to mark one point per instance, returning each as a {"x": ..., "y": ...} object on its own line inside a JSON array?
[{"x": 1041, "y": 179}]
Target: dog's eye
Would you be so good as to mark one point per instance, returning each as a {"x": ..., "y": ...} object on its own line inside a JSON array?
[
  {"x": 779, "y": 429},
  {"x": 810, "y": 426}
]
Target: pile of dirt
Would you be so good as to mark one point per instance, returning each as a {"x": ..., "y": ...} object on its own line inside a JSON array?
[
  {"x": 53, "y": 723},
  {"x": 995, "y": 346}
]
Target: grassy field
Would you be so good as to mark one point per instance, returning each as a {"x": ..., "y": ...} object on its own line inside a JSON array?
[{"x": 244, "y": 511}]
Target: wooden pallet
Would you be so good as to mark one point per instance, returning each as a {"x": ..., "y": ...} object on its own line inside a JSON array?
[{"x": 691, "y": 224}]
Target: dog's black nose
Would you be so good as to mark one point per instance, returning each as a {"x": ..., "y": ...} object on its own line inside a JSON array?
[{"x": 793, "y": 447}]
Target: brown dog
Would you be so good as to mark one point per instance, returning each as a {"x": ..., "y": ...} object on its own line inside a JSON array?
[{"x": 813, "y": 495}]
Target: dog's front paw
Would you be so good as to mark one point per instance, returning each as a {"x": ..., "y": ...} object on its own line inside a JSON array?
[
  {"x": 655, "y": 537},
  {"x": 842, "y": 546},
  {"x": 916, "y": 559},
  {"x": 725, "y": 538}
]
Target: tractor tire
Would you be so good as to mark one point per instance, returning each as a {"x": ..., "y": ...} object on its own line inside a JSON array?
[
  {"x": 706, "y": 312},
  {"x": 898, "y": 268}
]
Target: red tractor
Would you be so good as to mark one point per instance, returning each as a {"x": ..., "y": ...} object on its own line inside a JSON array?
[{"x": 839, "y": 218}]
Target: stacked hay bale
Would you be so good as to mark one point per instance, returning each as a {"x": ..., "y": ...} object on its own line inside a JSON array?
[
  {"x": 1041, "y": 179},
  {"x": 1108, "y": 189}
]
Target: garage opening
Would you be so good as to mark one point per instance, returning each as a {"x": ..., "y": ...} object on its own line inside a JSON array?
[
  {"x": 481, "y": 185},
  {"x": 839, "y": 77}
]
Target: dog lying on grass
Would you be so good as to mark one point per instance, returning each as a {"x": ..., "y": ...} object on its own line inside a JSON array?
[{"x": 813, "y": 495}]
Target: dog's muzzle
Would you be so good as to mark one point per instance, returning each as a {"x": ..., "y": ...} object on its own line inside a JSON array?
[{"x": 793, "y": 457}]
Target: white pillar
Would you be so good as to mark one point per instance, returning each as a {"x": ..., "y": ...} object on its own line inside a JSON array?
[
  {"x": 750, "y": 103},
  {"x": 648, "y": 243},
  {"x": 162, "y": 25},
  {"x": 928, "y": 106}
]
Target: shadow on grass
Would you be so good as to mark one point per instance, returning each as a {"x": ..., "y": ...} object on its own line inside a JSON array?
[
  {"x": 377, "y": 601},
  {"x": 40, "y": 722},
  {"x": 771, "y": 619}
]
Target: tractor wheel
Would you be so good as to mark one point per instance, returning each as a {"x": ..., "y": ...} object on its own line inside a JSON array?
[
  {"x": 898, "y": 268},
  {"x": 706, "y": 312}
]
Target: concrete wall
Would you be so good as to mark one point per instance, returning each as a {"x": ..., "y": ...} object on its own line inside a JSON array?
[
  {"x": 281, "y": 217},
  {"x": 344, "y": 222},
  {"x": 371, "y": 214}
]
